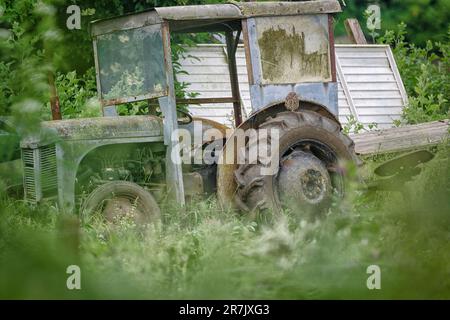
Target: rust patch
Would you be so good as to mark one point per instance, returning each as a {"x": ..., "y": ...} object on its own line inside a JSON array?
[{"x": 292, "y": 102}]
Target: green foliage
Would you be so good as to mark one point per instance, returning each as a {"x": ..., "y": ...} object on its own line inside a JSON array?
[
  {"x": 354, "y": 126},
  {"x": 35, "y": 42},
  {"x": 28, "y": 36},
  {"x": 425, "y": 74},
  {"x": 427, "y": 20},
  {"x": 78, "y": 95},
  {"x": 371, "y": 28}
]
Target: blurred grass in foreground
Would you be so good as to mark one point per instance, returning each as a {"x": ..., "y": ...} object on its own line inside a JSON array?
[{"x": 205, "y": 253}]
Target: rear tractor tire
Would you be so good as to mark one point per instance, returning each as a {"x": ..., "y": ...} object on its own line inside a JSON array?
[
  {"x": 312, "y": 153},
  {"x": 122, "y": 199}
]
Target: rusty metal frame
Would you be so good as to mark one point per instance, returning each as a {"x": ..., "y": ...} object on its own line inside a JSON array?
[
  {"x": 248, "y": 59},
  {"x": 174, "y": 172},
  {"x": 113, "y": 102},
  {"x": 97, "y": 72},
  {"x": 331, "y": 45},
  {"x": 234, "y": 80},
  {"x": 54, "y": 99}
]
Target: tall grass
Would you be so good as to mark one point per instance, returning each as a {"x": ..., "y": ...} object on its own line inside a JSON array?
[{"x": 204, "y": 252}]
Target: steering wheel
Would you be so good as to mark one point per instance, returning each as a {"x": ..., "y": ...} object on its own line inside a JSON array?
[{"x": 187, "y": 115}]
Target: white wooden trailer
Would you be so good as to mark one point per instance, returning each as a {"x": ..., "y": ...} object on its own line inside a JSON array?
[{"x": 370, "y": 87}]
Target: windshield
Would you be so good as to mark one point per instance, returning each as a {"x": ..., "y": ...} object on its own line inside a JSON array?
[{"x": 131, "y": 64}]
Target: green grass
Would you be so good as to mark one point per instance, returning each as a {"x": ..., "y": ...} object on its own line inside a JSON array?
[{"x": 202, "y": 252}]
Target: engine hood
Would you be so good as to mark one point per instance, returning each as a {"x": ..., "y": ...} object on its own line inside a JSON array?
[{"x": 94, "y": 129}]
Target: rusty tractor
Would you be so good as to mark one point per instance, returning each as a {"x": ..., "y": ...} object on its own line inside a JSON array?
[{"x": 118, "y": 164}]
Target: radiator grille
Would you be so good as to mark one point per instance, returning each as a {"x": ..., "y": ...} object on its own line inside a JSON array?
[
  {"x": 40, "y": 177},
  {"x": 28, "y": 173}
]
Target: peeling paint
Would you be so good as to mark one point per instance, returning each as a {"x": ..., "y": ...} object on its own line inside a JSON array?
[
  {"x": 288, "y": 8},
  {"x": 293, "y": 49},
  {"x": 107, "y": 127},
  {"x": 96, "y": 129}
]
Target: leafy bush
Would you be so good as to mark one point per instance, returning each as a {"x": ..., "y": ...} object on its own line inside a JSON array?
[
  {"x": 78, "y": 95},
  {"x": 425, "y": 74},
  {"x": 354, "y": 126},
  {"x": 425, "y": 19},
  {"x": 24, "y": 64}
]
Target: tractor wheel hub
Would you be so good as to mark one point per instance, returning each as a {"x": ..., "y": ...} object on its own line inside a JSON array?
[{"x": 303, "y": 180}]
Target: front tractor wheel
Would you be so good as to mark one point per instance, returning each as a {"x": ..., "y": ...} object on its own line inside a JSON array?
[
  {"x": 117, "y": 200},
  {"x": 312, "y": 153}
]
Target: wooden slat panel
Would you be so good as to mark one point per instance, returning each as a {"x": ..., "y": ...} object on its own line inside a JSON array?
[
  {"x": 344, "y": 111},
  {"x": 364, "y": 62},
  {"x": 344, "y": 86},
  {"x": 206, "y": 70},
  {"x": 202, "y": 100},
  {"x": 207, "y": 78},
  {"x": 371, "y": 86},
  {"x": 342, "y": 103},
  {"x": 370, "y": 78},
  {"x": 367, "y": 70},
  {"x": 218, "y": 94},
  {"x": 379, "y": 94},
  {"x": 361, "y": 54},
  {"x": 210, "y": 61},
  {"x": 212, "y": 86},
  {"x": 394, "y": 111},
  {"x": 370, "y": 49},
  {"x": 215, "y": 110},
  {"x": 370, "y": 81},
  {"x": 382, "y": 103},
  {"x": 205, "y": 52},
  {"x": 379, "y": 118}
]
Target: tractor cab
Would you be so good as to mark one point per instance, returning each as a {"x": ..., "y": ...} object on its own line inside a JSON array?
[{"x": 289, "y": 50}]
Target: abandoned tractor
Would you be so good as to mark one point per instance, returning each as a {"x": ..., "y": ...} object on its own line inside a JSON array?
[{"x": 121, "y": 164}]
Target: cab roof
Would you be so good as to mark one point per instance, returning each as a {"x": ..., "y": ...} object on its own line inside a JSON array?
[{"x": 211, "y": 17}]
